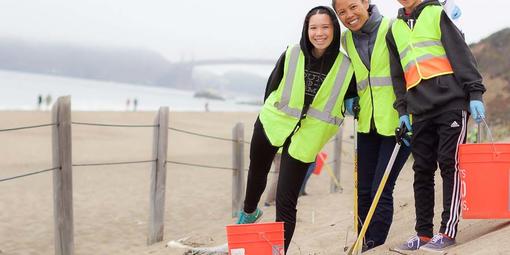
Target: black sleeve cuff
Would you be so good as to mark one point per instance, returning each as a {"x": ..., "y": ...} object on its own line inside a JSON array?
[
  {"x": 475, "y": 95},
  {"x": 402, "y": 111}
]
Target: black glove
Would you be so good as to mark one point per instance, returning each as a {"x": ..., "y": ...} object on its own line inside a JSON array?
[
  {"x": 403, "y": 135},
  {"x": 355, "y": 107}
]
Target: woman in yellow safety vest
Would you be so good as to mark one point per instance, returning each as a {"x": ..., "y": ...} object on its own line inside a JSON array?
[
  {"x": 302, "y": 111},
  {"x": 365, "y": 44}
]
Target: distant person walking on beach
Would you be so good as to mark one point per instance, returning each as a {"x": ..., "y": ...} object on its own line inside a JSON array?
[
  {"x": 39, "y": 102},
  {"x": 135, "y": 104},
  {"x": 128, "y": 103},
  {"x": 48, "y": 101},
  {"x": 302, "y": 111}
]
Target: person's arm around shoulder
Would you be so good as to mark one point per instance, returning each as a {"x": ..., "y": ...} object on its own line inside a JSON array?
[{"x": 463, "y": 64}]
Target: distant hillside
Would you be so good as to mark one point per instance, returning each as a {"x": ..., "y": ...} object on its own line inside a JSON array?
[
  {"x": 493, "y": 57},
  {"x": 121, "y": 65},
  {"x": 136, "y": 66},
  {"x": 150, "y": 68}
]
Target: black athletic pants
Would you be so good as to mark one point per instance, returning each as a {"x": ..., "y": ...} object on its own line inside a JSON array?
[
  {"x": 436, "y": 141},
  {"x": 374, "y": 152},
  {"x": 292, "y": 174}
]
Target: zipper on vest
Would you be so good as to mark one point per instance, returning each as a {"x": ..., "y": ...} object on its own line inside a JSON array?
[{"x": 411, "y": 22}]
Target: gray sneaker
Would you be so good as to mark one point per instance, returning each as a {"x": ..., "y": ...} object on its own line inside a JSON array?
[
  {"x": 412, "y": 244},
  {"x": 439, "y": 243}
]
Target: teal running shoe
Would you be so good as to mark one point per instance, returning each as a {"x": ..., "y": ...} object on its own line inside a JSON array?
[{"x": 248, "y": 218}]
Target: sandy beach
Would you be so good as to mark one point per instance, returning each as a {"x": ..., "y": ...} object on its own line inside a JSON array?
[{"x": 111, "y": 203}]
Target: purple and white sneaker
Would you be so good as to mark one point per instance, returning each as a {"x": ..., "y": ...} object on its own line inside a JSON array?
[
  {"x": 439, "y": 243},
  {"x": 412, "y": 244}
]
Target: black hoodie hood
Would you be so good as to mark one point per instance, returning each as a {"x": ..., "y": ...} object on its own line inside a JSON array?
[
  {"x": 334, "y": 47},
  {"x": 316, "y": 69}
]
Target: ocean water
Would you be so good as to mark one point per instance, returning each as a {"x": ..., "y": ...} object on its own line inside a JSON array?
[{"x": 19, "y": 91}]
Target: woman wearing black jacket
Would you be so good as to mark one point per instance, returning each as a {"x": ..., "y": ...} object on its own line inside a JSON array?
[
  {"x": 446, "y": 85},
  {"x": 293, "y": 118}
]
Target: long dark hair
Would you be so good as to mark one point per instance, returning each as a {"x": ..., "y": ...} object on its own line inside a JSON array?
[{"x": 306, "y": 45}]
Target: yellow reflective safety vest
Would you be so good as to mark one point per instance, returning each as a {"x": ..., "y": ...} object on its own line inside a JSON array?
[
  {"x": 282, "y": 109},
  {"x": 422, "y": 54},
  {"x": 375, "y": 88}
]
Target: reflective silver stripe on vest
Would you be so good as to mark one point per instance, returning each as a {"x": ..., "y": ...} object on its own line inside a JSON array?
[
  {"x": 374, "y": 81},
  {"x": 344, "y": 41},
  {"x": 422, "y": 58},
  {"x": 419, "y": 45},
  {"x": 326, "y": 115},
  {"x": 283, "y": 105},
  {"x": 296, "y": 113}
]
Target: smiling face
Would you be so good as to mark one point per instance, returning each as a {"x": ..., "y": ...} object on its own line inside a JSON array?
[
  {"x": 409, "y": 5},
  {"x": 320, "y": 33},
  {"x": 352, "y": 13}
]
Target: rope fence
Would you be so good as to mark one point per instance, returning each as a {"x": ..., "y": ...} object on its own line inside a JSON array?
[
  {"x": 133, "y": 162},
  {"x": 200, "y": 165},
  {"x": 140, "y": 161},
  {"x": 27, "y": 127},
  {"x": 111, "y": 125},
  {"x": 29, "y": 174},
  {"x": 231, "y": 140},
  {"x": 62, "y": 179},
  {"x": 204, "y": 135},
  {"x": 33, "y": 172},
  {"x": 114, "y": 163}
]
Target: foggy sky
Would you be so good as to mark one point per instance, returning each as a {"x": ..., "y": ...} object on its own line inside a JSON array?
[{"x": 189, "y": 29}]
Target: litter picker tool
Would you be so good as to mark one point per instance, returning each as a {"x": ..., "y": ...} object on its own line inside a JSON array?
[
  {"x": 355, "y": 109},
  {"x": 400, "y": 134}
]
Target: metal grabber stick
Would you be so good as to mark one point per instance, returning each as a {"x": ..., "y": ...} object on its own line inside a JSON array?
[
  {"x": 400, "y": 133},
  {"x": 355, "y": 109}
]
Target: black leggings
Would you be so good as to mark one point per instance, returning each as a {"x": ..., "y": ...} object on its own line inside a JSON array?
[{"x": 292, "y": 174}]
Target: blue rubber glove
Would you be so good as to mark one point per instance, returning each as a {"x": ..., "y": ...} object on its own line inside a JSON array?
[
  {"x": 407, "y": 122},
  {"x": 477, "y": 110},
  {"x": 405, "y": 119},
  {"x": 349, "y": 102}
]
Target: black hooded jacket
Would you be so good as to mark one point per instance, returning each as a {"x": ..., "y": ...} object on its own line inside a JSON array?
[
  {"x": 443, "y": 93},
  {"x": 316, "y": 69}
]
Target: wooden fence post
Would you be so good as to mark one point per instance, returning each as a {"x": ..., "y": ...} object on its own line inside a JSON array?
[
  {"x": 238, "y": 169},
  {"x": 63, "y": 177},
  {"x": 338, "y": 162},
  {"x": 158, "y": 178}
]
